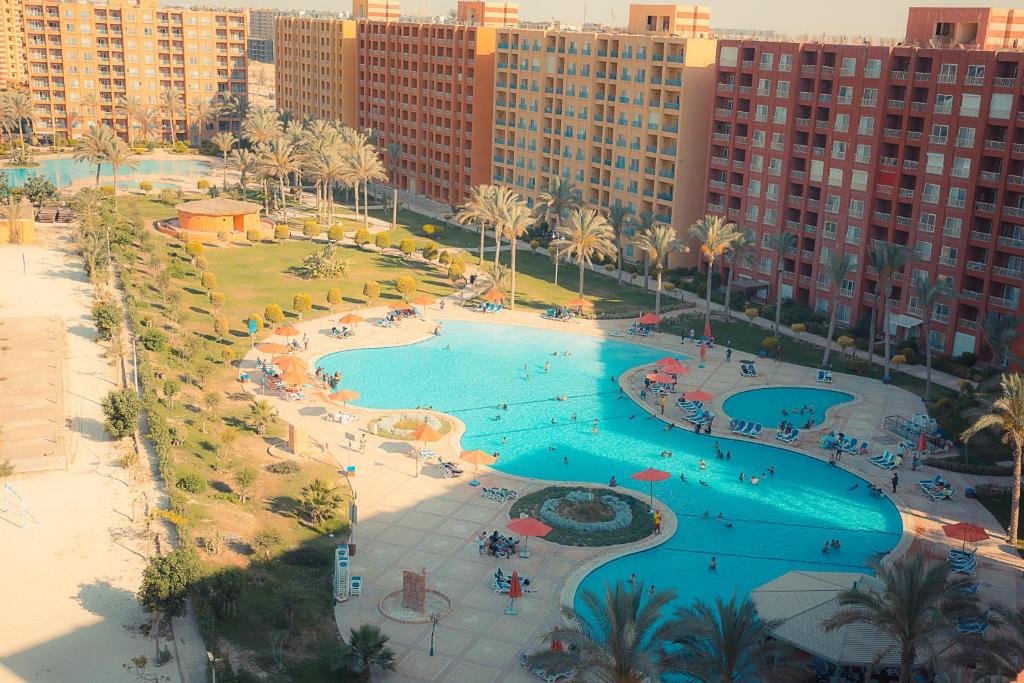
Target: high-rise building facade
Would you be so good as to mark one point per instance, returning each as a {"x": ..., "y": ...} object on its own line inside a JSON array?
[
  {"x": 376, "y": 10},
  {"x": 12, "y": 44},
  {"x": 85, "y": 57},
  {"x": 316, "y": 68},
  {"x": 850, "y": 146},
  {"x": 622, "y": 116},
  {"x": 260, "y": 36}
]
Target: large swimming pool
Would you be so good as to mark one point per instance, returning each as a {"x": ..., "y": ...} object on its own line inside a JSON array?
[
  {"x": 772, "y": 405},
  {"x": 62, "y": 172},
  {"x": 778, "y": 525}
]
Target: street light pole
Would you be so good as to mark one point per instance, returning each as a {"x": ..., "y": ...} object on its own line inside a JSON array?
[{"x": 433, "y": 625}]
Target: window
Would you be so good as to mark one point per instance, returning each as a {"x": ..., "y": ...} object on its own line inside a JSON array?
[
  {"x": 975, "y": 74},
  {"x": 1001, "y": 106},
  {"x": 846, "y": 288},
  {"x": 957, "y": 197},
  {"x": 853, "y": 234},
  {"x": 943, "y": 104},
  {"x": 930, "y": 193},
  {"x": 821, "y": 304},
  {"x": 775, "y": 165},
  {"x": 785, "y": 62},
  {"x": 965, "y": 137},
  {"x": 961, "y": 167},
  {"x": 952, "y": 226},
  {"x": 764, "y": 86},
  {"x": 835, "y": 177},
  {"x": 970, "y": 104},
  {"x": 856, "y": 208},
  {"x": 870, "y": 97},
  {"x": 829, "y": 229},
  {"x": 758, "y": 138},
  {"x": 764, "y": 264},
  {"x": 947, "y": 73},
  {"x": 873, "y": 67},
  {"x": 770, "y": 216},
  {"x": 863, "y": 154},
  {"x": 845, "y": 94},
  {"x": 726, "y": 56},
  {"x": 773, "y": 191},
  {"x": 936, "y": 340},
  {"x": 842, "y": 123},
  {"x": 859, "y": 180},
  {"x": 947, "y": 256},
  {"x": 843, "y": 314},
  {"x": 838, "y": 149},
  {"x": 832, "y": 203},
  {"x": 849, "y": 66},
  {"x": 780, "y": 115},
  {"x": 761, "y": 113},
  {"x": 766, "y": 241},
  {"x": 754, "y": 188},
  {"x": 936, "y": 163},
  {"x": 766, "y": 60},
  {"x": 940, "y": 134},
  {"x": 923, "y": 250},
  {"x": 782, "y": 89},
  {"x": 926, "y": 222}
]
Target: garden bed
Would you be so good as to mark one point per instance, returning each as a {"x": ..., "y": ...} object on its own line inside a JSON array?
[{"x": 608, "y": 518}]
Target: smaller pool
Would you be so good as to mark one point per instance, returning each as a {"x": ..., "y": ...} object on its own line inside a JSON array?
[{"x": 772, "y": 405}]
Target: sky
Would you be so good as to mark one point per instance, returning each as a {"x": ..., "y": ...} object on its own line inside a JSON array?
[{"x": 884, "y": 18}]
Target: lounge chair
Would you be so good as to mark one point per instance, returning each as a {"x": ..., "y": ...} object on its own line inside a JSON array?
[
  {"x": 789, "y": 438},
  {"x": 886, "y": 462},
  {"x": 943, "y": 494},
  {"x": 755, "y": 432},
  {"x": 739, "y": 426},
  {"x": 748, "y": 371},
  {"x": 884, "y": 456},
  {"x": 821, "y": 375},
  {"x": 828, "y": 377},
  {"x": 355, "y": 586},
  {"x": 926, "y": 484}
]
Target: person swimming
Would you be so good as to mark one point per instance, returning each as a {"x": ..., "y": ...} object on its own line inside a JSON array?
[{"x": 703, "y": 465}]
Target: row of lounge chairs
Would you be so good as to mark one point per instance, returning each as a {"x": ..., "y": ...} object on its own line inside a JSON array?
[
  {"x": 744, "y": 428},
  {"x": 449, "y": 470},
  {"x": 937, "y": 488},
  {"x": 640, "y": 330},
  {"x": 689, "y": 406},
  {"x": 825, "y": 376},
  {"x": 963, "y": 561},
  {"x": 54, "y": 214},
  {"x": 748, "y": 370},
  {"x": 887, "y": 460},
  {"x": 563, "y": 314},
  {"x": 787, "y": 436},
  {"x": 500, "y": 495},
  {"x": 694, "y": 413},
  {"x": 847, "y": 444}
]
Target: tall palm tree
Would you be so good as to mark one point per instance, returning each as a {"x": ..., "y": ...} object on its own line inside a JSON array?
[
  {"x": 917, "y": 608},
  {"x": 244, "y": 161},
  {"x": 584, "y": 237},
  {"x": 619, "y": 638},
  {"x": 365, "y": 167},
  {"x": 149, "y": 124},
  {"x": 497, "y": 203},
  {"x": 515, "y": 223},
  {"x": 644, "y": 222},
  {"x": 836, "y": 267},
  {"x": 999, "y": 655},
  {"x": 261, "y": 125},
  {"x": 889, "y": 259},
  {"x": 741, "y": 251},
  {"x": 367, "y": 647},
  {"x": 1008, "y": 417},
  {"x": 277, "y": 160},
  {"x": 928, "y": 294},
  {"x": 200, "y": 114},
  {"x": 131, "y": 108},
  {"x": 119, "y": 155},
  {"x": 224, "y": 142},
  {"x": 716, "y": 237},
  {"x": 620, "y": 217},
  {"x": 92, "y": 147},
  {"x": 474, "y": 210},
  {"x": 724, "y": 642},
  {"x": 19, "y": 107},
  {"x": 658, "y": 244},
  {"x": 394, "y": 151},
  {"x": 171, "y": 105},
  {"x": 782, "y": 243},
  {"x": 558, "y": 198},
  {"x": 999, "y": 330}
]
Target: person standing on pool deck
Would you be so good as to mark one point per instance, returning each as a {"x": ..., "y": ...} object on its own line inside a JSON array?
[
  {"x": 661, "y": 402},
  {"x": 895, "y": 481},
  {"x": 728, "y": 355},
  {"x": 657, "y": 522}
]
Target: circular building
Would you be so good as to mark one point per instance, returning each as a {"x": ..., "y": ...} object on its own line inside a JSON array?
[{"x": 219, "y": 215}]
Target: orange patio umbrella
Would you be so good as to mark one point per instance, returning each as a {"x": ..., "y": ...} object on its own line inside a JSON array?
[
  {"x": 649, "y": 319},
  {"x": 271, "y": 347},
  {"x": 515, "y": 590},
  {"x": 698, "y": 395},
  {"x": 652, "y": 475},
  {"x": 343, "y": 396},
  {"x": 477, "y": 458},
  {"x": 399, "y": 306},
  {"x": 350, "y": 319},
  {"x": 675, "y": 369},
  {"x": 293, "y": 377},
  {"x": 423, "y": 300},
  {"x": 288, "y": 364},
  {"x": 581, "y": 302},
  {"x": 528, "y": 526},
  {"x": 668, "y": 360},
  {"x": 287, "y": 331},
  {"x": 707, "y": 330},
  {"x": 425, "y": 433},
  {"x": 494, "y": 295},
  {"x": 965, "y": 532},
  {"x": 661, "y": 378}
]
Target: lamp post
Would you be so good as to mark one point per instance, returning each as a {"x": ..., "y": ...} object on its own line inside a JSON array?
[{"x": 433, "y": 625}]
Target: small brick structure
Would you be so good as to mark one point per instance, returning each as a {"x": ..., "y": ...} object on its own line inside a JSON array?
[{"x": 414, "y": 588}]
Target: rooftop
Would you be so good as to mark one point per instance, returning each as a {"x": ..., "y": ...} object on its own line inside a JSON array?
[{"x": 221, "y": 206}]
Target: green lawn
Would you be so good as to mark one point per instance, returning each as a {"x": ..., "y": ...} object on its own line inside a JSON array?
[{"x": 998, "y": 503}]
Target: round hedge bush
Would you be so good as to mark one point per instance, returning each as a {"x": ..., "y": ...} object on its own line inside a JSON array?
[{"x": 641, "y": 526}]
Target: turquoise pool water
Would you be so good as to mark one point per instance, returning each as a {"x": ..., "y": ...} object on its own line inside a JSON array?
[
  {"x": 63, "y": 172},
  {"x": 778, "y": 525},
  {"x": 767, "y": 405}
]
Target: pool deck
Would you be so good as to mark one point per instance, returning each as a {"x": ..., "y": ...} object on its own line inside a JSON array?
[{"x": 412, "y": 518}]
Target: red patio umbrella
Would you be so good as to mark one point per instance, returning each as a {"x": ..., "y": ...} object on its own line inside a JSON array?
[
  {"x": 676, "y": 369},
  {"x": 652, "y": 475},
  {"x": 662, "y": 377},
  {"x": 707, "y": 330},
  {"x": 668, "y": 360},
  {"x": 515, "y": 590},
  {"x": 698, "y": 395},
  {"x": 922, "y": 442},
  {"x": 528, "y": 526},
  {"x": 649, "y": 319},
  {"x": 703, "y": 350},
  {"x": 965, "y": 532}
]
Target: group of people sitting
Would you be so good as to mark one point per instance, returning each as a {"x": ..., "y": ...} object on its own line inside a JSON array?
[
  {"x": 562, "y": 313},
  {"x": 341, "y": 333},
  {"x": 327, "y": 378},
  {"x": 640, "y": 330},
  {"x": 499, "y": 545},
  {"x": 503, "y": 582}
]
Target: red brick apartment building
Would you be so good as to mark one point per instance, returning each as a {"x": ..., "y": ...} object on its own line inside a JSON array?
[{"x": 847, "y": 145}]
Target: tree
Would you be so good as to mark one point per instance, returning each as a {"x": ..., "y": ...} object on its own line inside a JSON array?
[
  {"x": 194, "y": 249},
  {"x": 208, "y": 280},
  {"x": 201, "y": 113},
  {"x": 585, "y": 237},
  {"x": 366, "y": 648},
  {"x": 149, "y": 124},
  {"x": 245, "y": 162},
  {"x": 217, "y": 299},
  {"x": 118, "y": 154},
  {"x": 782, "y": 243},
  {"x": 406, "y": 285},
  {"x": 319, "y": 501},
  {"x": 725, "y": 641},
  {"x": 107, "y": 316},
  {"x": 557, "y": 200},
  {"x": 121, "y": 409},
  {"x": 836, "y": 267},
  {"x": 371, "y": 290},
  {"x": 170, "y": 103},
  {"x": 1007, "y": 416},
  {"x": 20, "y": 109},
  {"x": 475, "y": 210},
  {"x": 620, "y": 637},
  {"x": 277, "y": 159},
  {"x": 245, "y": 479},
  {"x": 334, "y": 298},
  {"x": 620, "y": 218},
  {"x": 999, "y": 331},
  {"x": 38, "y": 189},
  {"x": 171, "y": 388},
  {"x": 917, "y": 607},
  {"x": 456, "y": 270},
  {"x": 131, "y": 108},
  {"x": 889, "y": 259},
  {"x": 302, "y": 303},
  {"x": 92, "y": 147},
  {"x": 166, "y": 582},
  {"x": 220, "y": 326},
  {"x": 273, "y": 314},
  {"x": 224, "y": 142},
  {"x": 928, "y": 294},
  {"x": 997, "y": 656},
  {"x": 265, "y": 541},
  {"x": 741, "y": 250},
  {"x": 261, "y": 413},
  {"x": 225, "y": 589},
  {"x": 658, "y": 244},
  {"x": 516, "y": 222},
  {"x": 644, "y": 222},
  {"x": 365, "y": 166}
]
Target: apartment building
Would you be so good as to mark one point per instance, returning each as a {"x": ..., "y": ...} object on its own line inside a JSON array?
[
  {"x": 12, "y": 44},
  {"x": 848, "y": 146},
  {"x": 376, "y": 10},
  {"x": 83, "y": 57},
  {"x": 260, "y": 37},
  {"x": 425, "y": 89},
  {"x": 623, "y": 116}
]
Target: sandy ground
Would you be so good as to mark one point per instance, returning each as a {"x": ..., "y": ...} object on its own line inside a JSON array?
[
  {"x": 261, "y": 84},
  {"x": 71, "y": 568}
]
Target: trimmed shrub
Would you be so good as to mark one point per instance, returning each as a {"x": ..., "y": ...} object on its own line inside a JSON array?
[
  {"x": 534, "y": 244},
  {"x": 751, "y": 313},
  {"x": 107, "y": 316},
  {"x": 281, "y": 232},
  {"x": 202, "y": 263},
  {"x": 334, "y": 296},
  {"x": 203, "y": 184},
  {"x": 909, "y": 355},
  {"x": 407, "y": 247},
  {"x": 273, "y": 314},
  {"x": 856, "y": 365},
  {"x": 382, "y": 240},
  {"x": 444, "y": 258},
  {"x": 208, "y": 280},
  {"x": 310, "y": 229},
  {"x": 191, "y": 482},
  {"x": 430, "y": 229},
  {"x": 336, "y": 233},
  {"x": 371, "y": 290},
  {"x": 406, "y": 286},
  {"x": 362, "y": 237},
  {"x": 456, "y": 270},
  {"x": 146, "y": 186},
  {"x": 771, "y": 344},
  {"x": 798, "y": 328},
  {"x": 430, "y": 251},
  {"x": 217, "y": 299},
  {"x": 252, "y": 235},
  {"x": 256, "y": 318},
  {"x": 283, "y": 467},
  {"x": 302, "y": 303},
  {"x": 153, "y": 340}
]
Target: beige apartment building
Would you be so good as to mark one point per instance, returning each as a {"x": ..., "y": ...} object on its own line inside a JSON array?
[
  {"x": 84, "y": 57},
  {"x": 12, "y": 44},
  {"x": 623, "y": 116}
]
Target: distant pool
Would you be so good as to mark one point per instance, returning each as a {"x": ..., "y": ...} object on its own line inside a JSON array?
[
  {"x": 767, "y": 405},
  {"x": 64, "y": 171},
  {"x": 776, "y": 526}
]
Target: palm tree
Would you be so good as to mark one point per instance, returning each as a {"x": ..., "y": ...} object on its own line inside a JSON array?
[
  {"x": 328, "y": 167},
  {"x": 1008, "y": 417},
  {"x": 277, "y": 160},
  {"x": 557, "y": 199},
  {"x": 14, "y": 212},
  {"x": 742, "y": 249},
  {"x": 261, "y": 125},
  {"x": 889, "y": 259},
  {"x": 496, "y": 207},
  {"x": 119, "y": 154},
  {"x": 716, "y": 237},
  {"x": 245, "y": 162},
  {"x": 394, "y": 161},
  {"x": 783, "y": 243},
  {"x": 367, "y": 647},
  {"x": 928, "y": 294},
  {"x": 149, "y": 124},
  {"x": 365, "y": 167},
  {"x": 644, "y": 222},
  {"x": 19, "y": 108},
  {"x": 658, "y": 244},
  {"x": 516, "y": 222},
  {"x": 584, "y": 237},
  {"x": 917, "y": 607},
  {"x": 620, "y": 638},
  {"x": 724, "y": 642},
  {"x": 261, "y": 413},
  {"x": 92, "y": 147},
  {"x": 999, "y": 656},
  {"x": 999, "y": 330},
  {"x": 619, "y": 217},
  {"x": 201, "y": 113},
  {"x": 224, "y": 142},
  {"x": 131, "y": 108},
  {"x": 836, "y": 267},
  {"x": 171, "y": 105},
  {"x": 474, "y": 210}
]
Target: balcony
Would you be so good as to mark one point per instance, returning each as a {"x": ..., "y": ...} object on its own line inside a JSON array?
[
  {"x": 1008, "y": 273},
  {"x": 976, "y": 266},
  {"x": 995, "y": 145},
  {"x": 1013, "y": 242},
  {"x": 988, "y": 207},
  {"x": 969, "y": 295},
  {"x": 1005, "y": 303},
  {"x": 965, "y": 324},
  {"x": 882, "y": 216},
  {"x": 951, "y": 262}
]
